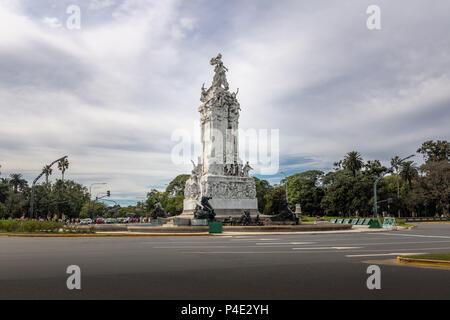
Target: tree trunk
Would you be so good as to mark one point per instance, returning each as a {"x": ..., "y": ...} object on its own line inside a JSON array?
[
  {"x": 445, "y": 210},
  {"x": 398, "y": 195}
]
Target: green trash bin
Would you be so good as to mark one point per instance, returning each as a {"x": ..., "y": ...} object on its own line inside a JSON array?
[{"x": 215, "y": 227}]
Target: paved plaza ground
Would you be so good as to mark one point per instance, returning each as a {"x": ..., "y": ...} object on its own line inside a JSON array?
[{"x": 301, "y": 266}]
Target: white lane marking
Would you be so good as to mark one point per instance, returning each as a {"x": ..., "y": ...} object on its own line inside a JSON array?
[
  {"x": 326, "y": 248},
  {"x": 209, "y": 247},
  {"x": 254, "y": 239},
  {"x": 409, "y": 242},
  {"x": 413, "y": 235},
  {"x": 388, "y": 243},
  {"x": 383, "y": 254},
  {"x": 240, "y": 252},
  {"x": 283, "y": 243},
  {"x": 401, "y": 249}
]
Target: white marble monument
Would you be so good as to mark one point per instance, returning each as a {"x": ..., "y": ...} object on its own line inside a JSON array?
[{"x": 220, "y": 173}]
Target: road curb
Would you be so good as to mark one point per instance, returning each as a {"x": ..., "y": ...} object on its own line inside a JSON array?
[
  {"x": 105, "y": 235},
  {"x": 423, "y": 262}
]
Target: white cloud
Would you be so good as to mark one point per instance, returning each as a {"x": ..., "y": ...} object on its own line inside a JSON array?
[
  {"x": 111, "y": 95},
  {"x": 101, "y": 4},
  {"x": 52, "y": 22}
]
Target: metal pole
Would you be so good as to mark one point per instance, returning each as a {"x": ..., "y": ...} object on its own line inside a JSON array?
[
  {"x": 90, "y": 194},
  {"x": 34, "y": 185},
  {"x": 286, "y": 187}
]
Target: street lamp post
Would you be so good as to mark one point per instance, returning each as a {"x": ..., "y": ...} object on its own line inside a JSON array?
[
  {"x": 90, "y": 194},
  {"x": 34, "y": 186},
  {"x": 375, "y": 204},
  {"x": 286, "y": 187},
  {"x": 95, "y": 184}
]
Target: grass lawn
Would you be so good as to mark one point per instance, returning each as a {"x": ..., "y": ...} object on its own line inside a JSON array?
[{"x": 432, "y": 256}]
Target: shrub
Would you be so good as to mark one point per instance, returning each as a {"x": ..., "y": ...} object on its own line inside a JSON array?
[{"x": 29, "y": 226}]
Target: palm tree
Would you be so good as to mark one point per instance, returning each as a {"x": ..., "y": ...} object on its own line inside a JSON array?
[
  {"x": 47, "y": 170},
  {"x": 353, "y": 162},
  {"x": 63, "y": 165},
  {"x": 408, "y": 171},
  {"x": 17, "y": 181},
  {"x": 395, "y": 163}
]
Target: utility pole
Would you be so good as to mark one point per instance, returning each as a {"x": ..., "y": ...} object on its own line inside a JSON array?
[{"x": 34, "y": 185}]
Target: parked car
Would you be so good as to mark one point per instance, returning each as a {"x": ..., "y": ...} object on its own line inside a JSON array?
[
  {"x": 99, "y": 221},
  {"x": 86, "y": 221}
]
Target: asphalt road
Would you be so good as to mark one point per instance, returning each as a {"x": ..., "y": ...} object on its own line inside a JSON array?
[{"x": 326, "y": 266}]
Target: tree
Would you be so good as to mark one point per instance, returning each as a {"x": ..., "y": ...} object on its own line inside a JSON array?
[
  {"x": 98, "y": 209},
  {"x": 17, "y": 204},
  {"x": 63, "y": 165},
  {"x": 47, "y": 171},
  {"x": 348, "y": 192},
  {"x": 408, "y": 171},
  {"x": 436, "y": 182},
  {"x": 435, "y": 151},
  {"x": 174, "y": 205},
  {"x": 60, "y": 199},
  {"x": 4, "y": 191},
  {"x": 153, "y": 196},
  {"x": 305, "y": 189},
  {"x": 17, "y": 181},
  {"x": 262, "y": 189},
  {"x": 275, "y": 200},
  {"x": 374, "y": 167},
  {"x": 176, "y": 186},
  {"x": 353, "y": 162},
  {"x": 337, "y": 186},
  {"x": 2, "y": 211}
]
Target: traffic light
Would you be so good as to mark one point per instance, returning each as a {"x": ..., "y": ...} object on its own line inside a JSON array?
[{"x": 108, "y": 193}]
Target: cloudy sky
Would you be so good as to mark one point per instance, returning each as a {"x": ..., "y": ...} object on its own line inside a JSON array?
[{"x": 111, "y": 94}]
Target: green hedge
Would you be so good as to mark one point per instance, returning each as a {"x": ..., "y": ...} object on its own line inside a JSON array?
[{"x": 29, "y": 226}]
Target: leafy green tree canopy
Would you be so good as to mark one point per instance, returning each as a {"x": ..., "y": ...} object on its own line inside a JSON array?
[{"x": 435, "y": 151}]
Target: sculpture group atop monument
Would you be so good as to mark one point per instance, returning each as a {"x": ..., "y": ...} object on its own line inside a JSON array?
[{"x": 220, "y": 173}]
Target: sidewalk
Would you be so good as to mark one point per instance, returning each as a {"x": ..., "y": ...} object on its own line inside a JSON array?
[{"x": 171, "y": 233}]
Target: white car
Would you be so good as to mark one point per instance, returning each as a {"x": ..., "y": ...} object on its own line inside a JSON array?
[{"x": 86, "y": 221}]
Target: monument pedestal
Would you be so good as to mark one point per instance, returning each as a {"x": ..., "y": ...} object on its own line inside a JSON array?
[{"x": 230, "y": 196}]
